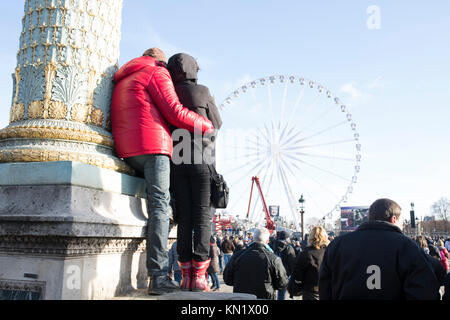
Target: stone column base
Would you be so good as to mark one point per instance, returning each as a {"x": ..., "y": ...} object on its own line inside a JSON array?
[{"x": 70, "y": 231}]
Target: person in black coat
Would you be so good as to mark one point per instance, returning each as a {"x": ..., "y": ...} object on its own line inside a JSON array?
[
  {"x": 190, "y": 175},
  {"x": 377, "y": 262},
  {"x": 433, "y": 259},
  {"x": 305, "y": 274},
  {"x": 446, "y": 295},
  {"x": 256, "y": 270},
  {"x": 286, "y": 252}
]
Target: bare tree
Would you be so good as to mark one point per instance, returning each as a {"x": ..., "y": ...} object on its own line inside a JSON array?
[{"x": 441, "y": 209}]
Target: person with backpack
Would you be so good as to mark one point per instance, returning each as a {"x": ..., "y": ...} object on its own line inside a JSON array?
[
  {"x": 256, "y": 270},
  {"x": 283, "y": 249},
  {"x": 305, "y": 276}
]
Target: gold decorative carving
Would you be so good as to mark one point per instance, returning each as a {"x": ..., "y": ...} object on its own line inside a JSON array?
[
  {"x": 36, "y": 155},
  {"x": 50, "y": 72},
  {"x": 17, "y": 112},
  {"x": 57, "y": 110},
  {"x": 17, "y": 75},
  {"x": 108, "y": 125},
  {"x": 97, "y": 117},
  {"x": 36, "y": 110},
  {"x": 56, "y": 133},
  {"x": 79, "y": 113}
]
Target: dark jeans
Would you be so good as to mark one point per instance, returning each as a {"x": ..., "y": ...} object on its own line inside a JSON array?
[
  {"x": 156, "y": 171},
  {"x": 191, "y": 188},
  {"x": 215, "y": 280}
]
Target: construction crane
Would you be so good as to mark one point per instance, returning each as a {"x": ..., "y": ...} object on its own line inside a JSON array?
[{"x": 269, "y": 223}]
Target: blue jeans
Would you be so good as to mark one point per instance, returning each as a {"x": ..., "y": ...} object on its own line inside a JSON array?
[
  {"x": 227, "y": 257},
  {"x": 221, "y": 263},
  {"x": 177, "y": 276},
  {"x": 282, "y": 294},
  {"x": 215, "y": 280},
  {"x": 156, "y": 171}
]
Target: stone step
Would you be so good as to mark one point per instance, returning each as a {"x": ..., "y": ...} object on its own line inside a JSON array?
[{"x": 141, "y": 294}]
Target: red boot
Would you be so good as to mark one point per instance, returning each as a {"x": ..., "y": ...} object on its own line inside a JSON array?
[
  {"x": 186, "y": 275},
  {"x": 199, "y": 275}
]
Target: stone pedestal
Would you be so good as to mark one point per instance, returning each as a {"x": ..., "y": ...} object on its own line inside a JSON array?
[{"x": 70, "y": 231}]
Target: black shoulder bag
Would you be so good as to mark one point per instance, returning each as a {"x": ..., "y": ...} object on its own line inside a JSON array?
[{"x": 219, "y": 189}]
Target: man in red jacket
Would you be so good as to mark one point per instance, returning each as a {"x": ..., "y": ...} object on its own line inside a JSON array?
[{"x": 144, "y": 105}]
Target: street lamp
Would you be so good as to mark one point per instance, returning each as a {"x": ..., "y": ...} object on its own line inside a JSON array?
[
  {"x": 413, "y": 219},
  {"x": 302, "y": 212}
]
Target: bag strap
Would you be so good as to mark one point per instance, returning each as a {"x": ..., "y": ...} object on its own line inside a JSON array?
[{"x": 212, "y": 169}]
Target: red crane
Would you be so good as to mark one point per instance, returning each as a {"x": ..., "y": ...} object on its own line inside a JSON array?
[
  {"x": 222, "y": 222},
  {"x": 269, "y": 223}
]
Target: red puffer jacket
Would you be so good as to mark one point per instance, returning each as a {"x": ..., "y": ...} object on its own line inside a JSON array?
[{"x": 144, "y": 103}]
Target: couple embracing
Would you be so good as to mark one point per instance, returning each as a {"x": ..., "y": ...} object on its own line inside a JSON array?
[{"x": 153, "y": 100}]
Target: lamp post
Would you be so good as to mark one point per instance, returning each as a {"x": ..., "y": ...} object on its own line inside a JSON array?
[
  {"x": 302, "y": 212},
  {"x": 413, "y": 219}
]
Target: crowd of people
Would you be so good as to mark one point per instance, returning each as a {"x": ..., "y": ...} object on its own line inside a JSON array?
[
  {"x": 377, "y": 261},
  {"x": 164, "y": 126}
]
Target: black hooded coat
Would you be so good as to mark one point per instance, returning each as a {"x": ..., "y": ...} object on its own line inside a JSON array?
[
  {"x": 184, "y": 69},
  {"x": 190, "y": 177}
]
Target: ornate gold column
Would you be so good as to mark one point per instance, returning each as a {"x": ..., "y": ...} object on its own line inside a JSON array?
[{"x": 69, "y": 50}]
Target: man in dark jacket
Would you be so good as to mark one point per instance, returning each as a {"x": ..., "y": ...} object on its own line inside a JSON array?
[
  {"x": 446, "y": 295},
  {"x": 377, "y": 262},
  {"x": 286, "y": 252},
  {"x": 256, "y": 270},
  {"x": 227, "y": 248}
]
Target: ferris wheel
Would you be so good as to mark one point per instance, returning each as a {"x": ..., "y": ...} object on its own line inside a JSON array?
[{"x": 297, "y": 137}]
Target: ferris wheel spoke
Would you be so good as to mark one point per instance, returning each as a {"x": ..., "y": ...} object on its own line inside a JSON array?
[
  {"x": 321, "y": 156},
  {"x": 249, "y": 172},
  {"x": 320, "y": 169},
  {"x": 258, "y": 143},
  {"x": 288, "y": 192},
  {"x": 294, "y": 110},
  {"x": 269, "y": 91},
  {"x": 257, "y": 137},
  {"x": 269, "y": 136},
  {"x": 320, "y": 117},
  {"x": 291, "y": 163},
  {"x": 249, "y": 156},
  {"x": 305, "y": 110},
  {"x": 321, "y": 132},
  {"x": 321, "y": 144},
  {"x": 283, "y": 106},
  {"x": 245, "y": 165},
  {"x": 225, "y": 147},
  {"x": 309, "y": 106},
  {"x": 290, "y": 195}
]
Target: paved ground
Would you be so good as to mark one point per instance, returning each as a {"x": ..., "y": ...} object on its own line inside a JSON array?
[{"x": 225, "y": 293}]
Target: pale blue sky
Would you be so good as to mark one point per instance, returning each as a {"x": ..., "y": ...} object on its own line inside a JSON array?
[{"x": 395, "y": 80}]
